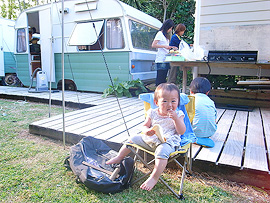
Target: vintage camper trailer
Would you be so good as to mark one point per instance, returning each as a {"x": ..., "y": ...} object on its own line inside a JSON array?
[
  {"x": 7, "y": 59},
  {"x": 97, "y": 33}
]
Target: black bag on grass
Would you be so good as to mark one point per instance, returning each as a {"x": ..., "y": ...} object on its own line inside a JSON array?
[{"x": 95, "y": 152}]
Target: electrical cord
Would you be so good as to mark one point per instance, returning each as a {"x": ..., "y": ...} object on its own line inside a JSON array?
[
  {"x": 107, "y": 68},
  {"x": 32, "y": 77},
  {"x": 205, "y": 58}
]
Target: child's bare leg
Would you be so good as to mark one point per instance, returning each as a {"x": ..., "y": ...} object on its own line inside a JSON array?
[
  {"x": 123, "y": 152},
  {"x": 160, "y": 165}
]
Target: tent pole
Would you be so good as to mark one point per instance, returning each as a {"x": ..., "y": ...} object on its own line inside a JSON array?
[
  {"x": 51, "y": 62},
  {"x": 63, "y": 77}
]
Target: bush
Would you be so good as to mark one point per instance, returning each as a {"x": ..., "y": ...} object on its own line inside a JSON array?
[{"x": 126, "y": 88}]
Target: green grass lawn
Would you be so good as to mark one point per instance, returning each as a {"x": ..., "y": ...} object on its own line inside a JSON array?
[{"x": 32, "y": 169}]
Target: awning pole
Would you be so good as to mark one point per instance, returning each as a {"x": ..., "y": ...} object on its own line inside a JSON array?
[
  {"x": 51, "y": 62},
  {"x": 63, "y": 77}
]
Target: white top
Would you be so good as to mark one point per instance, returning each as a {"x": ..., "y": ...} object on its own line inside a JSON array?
[
  {"x": 167, "y": 124},
  {"x": 161, "y": 53}
]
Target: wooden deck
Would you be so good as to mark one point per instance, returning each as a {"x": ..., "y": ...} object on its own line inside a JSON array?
[{"x": 242, "y": 139}]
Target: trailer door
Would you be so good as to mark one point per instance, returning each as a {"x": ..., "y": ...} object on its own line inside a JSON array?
[
  {"x": 2, "y": 72},
  {"x": 46, "y": 44}
]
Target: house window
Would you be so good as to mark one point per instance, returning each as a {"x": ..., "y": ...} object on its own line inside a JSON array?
[
  {"x": 21, "y": 40},
  {"x": 115, "y": 38},
  {"x": 88, "y": 36},
  {"x": 142, "y": 35}
]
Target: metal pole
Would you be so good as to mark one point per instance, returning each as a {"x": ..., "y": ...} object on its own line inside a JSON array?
[
  {"x": 63, "y": 77},
  {"x": 51, "y": 62}
]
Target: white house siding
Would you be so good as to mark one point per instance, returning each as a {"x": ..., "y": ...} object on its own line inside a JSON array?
[{"x": 236, "y": 25}]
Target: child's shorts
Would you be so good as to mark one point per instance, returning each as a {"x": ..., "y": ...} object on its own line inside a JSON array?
[{"x": 162, "y": 151}]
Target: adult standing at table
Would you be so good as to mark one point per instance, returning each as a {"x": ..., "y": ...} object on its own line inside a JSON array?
[
  {"x": 175, "y": 41},
  {"x": 161, "y": 42}
]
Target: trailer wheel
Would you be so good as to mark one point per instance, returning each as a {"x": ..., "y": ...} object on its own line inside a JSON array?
[
  {"x": 11, "y": 80},
  {"x": 69, "y": 85}
]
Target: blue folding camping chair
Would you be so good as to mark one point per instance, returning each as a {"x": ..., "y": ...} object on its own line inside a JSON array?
[{"x": 187, "y": 105}]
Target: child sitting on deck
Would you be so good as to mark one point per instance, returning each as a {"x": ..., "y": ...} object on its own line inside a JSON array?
[
  {"x": 204, "y": 123},
  {"x": 171, "y": 120}
]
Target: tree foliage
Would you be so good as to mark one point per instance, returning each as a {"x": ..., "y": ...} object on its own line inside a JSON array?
[
  {"x": 180, "y": 11},
  {"x": 8, "y": 8},
  {"x": 11, "y": 8}
]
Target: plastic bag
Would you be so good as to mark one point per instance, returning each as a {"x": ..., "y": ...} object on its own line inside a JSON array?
[{"x": 190, "y": 54}]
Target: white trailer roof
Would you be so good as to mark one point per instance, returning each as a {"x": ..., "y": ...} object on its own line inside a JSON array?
[{"x": 92, "y": 9}]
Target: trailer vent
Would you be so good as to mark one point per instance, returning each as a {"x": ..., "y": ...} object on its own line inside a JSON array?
[{"x": 86, "y": 6}]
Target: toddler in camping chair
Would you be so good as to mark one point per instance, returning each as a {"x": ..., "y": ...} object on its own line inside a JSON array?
[{"x": 162, "y": 129}]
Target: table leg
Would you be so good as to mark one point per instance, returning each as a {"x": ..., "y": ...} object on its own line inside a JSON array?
[
  {"x": 184, "y": 79},
  {"x": 195, "y": 72}
]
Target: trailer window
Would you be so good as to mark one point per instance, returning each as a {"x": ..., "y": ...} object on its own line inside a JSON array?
[
  {"x": 88, "y": 36},
  {"x": 115, "y": 38},
  {"x": 142, "y": 35},
  {"x": 21, "y": 40}
]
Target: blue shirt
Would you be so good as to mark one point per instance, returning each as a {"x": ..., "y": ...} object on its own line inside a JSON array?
[
  {"x": 175, "y": 41},
  {"x": 204, "y": 122}
]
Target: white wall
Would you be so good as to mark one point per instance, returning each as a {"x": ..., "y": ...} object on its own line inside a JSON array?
[
  {"x": 234, "y": 12},
  {"x": 236, "y": 25}
]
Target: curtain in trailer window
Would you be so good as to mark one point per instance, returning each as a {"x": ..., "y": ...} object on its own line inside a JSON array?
[
  {"x": 85, "y": 36},
  {"x": 115, "y": 38},
  {"x": 21, "y": 40}
]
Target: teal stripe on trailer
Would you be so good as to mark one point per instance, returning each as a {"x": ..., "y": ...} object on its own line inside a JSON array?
[
  {"x": 23, "y": 69},
  {"x": 9, "y": 62},
  {"x": 89, "y": 69}
]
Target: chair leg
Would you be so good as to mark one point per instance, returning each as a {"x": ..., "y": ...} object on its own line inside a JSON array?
[
  {"x": 179, "y": 195},
  {"x": 190, "y": 160},
  {"x": 144, "y": 163},
  {"x": 184, "y": 170},
  {"x": 145, "y": 156},
  {"x": 169, "y": 187},
  {"x": 182, "y": 180}
]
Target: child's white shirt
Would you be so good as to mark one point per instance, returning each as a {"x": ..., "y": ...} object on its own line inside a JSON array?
[{"x": 168, "y": 127}]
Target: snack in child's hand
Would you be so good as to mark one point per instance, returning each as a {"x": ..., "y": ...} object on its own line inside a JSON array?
[{"x": 159, "y": 133}]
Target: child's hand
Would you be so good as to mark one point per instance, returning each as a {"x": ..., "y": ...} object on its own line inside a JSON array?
[
  {"x": 150, "y": 132},
  {"x": 172, "y": 114}
]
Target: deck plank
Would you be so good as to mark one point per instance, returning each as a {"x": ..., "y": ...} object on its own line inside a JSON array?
[
  {"x": 219, "y": 113},
  {"x": 119, "y": 132},
  {"x": 266, "y": 124},
  {"x": 255, "y": 153},
  {"x": 104, "y": 121},
  {"x": 100, "y": 116},
  {"x": 212, "y": 154},
  {"x": 116, "y": 126},
  {"x": 196, "y": 148},
  {"x": 133, "y": 130},
  {"x": 233, "y": 151},
  {"x": 91, "y": 112}
]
